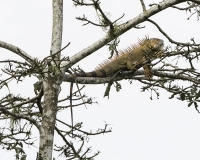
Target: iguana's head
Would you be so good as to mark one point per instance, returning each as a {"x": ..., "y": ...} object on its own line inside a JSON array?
[
  {"x": 156, "y": 44},
  {"x": 152, "y": 48}
]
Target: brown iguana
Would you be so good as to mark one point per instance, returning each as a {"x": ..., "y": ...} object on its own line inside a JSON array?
[{"x": 127, "y": 59}]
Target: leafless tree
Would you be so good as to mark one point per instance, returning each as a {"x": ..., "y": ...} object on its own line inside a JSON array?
[{"x": 26, "y": 113}]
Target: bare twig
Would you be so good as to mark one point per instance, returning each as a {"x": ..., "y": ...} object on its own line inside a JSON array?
[
  {"x": 88, "y": 21},
  {"x": 81, "y": 3},
  {"x": 171, "y": 40}
]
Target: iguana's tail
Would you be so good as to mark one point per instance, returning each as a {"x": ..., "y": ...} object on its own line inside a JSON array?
[{"x": 99, "y": 73}]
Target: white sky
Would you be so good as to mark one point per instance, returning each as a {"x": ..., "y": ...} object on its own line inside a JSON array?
[{"x": 160, "y": 129}]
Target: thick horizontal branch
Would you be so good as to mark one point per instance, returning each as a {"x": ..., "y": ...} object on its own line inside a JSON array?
[
  {"x": 17, "y": 51},
  {"x": 130, "y": 75},
  {"x": 122, "y": 29},
  {"x": 176, "y": 76}
]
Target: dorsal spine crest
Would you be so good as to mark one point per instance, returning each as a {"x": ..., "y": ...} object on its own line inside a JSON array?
[
  {"x": 123, "y": 52},
  {"x": 127, "y": 59}
]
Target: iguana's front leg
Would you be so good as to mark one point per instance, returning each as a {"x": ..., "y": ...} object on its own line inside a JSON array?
[{"x": 147, "y": 71}]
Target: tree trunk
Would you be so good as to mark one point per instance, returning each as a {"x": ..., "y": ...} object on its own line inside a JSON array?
[{"x": 51, "y": 87}]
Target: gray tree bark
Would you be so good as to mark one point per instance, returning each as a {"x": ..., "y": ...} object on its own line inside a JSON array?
[{"x": 51, "y": 87}]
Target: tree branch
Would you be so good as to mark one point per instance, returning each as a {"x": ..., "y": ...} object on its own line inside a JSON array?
[
  {"x": 195, "y": 1},
  {"x": 17, "y": 50},
  {"x": 130, "y": 75}
]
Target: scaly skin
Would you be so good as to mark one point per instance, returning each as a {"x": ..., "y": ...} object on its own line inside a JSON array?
[{"x": 146, "y": 50}]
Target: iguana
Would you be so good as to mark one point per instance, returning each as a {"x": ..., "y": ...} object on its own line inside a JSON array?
[{"x": 127, "y": 59}]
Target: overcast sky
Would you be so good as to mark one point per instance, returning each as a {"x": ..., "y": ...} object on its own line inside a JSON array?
[{"x": 143, "y": 129}]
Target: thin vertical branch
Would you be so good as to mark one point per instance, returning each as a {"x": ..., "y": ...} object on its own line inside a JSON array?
[
  {"x": 57, "y": 28},
  {"x": 143, "y": 5}
]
